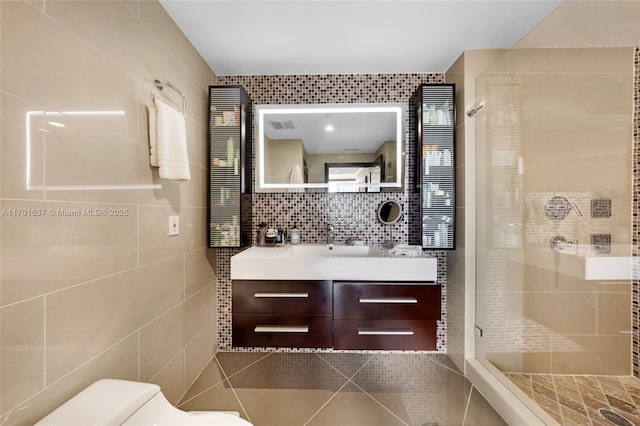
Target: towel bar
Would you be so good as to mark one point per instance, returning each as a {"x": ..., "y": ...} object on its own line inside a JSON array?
[{"x": 161, "y": 84}]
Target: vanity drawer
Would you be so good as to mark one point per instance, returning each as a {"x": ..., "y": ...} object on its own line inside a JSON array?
[
  {"x": 281, "y": 297},
  {"x": 401, "y": 301},
  {"x": 384, "y": 334},
  {"x": 299, "y": 331}
]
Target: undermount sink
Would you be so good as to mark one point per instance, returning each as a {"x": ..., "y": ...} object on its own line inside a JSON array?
[
  {"x": 325, "y": 251},
  {"x": 318, "y": 262}
]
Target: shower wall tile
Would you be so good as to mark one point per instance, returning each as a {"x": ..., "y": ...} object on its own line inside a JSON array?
[
  {"x": 351, "y": 214},
  {"x": 597, "y": 355},
  {"x": 573, "y": 313},
  {"x": 577, "y": 151},
  {"x": 614, "y": 311},
  {"x": 80, "y": 294},
  {"x": 571, "y": 61},
  {"x": 522, "y": 362}
]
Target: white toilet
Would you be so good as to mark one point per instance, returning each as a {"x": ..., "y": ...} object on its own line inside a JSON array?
[{"x": 122, "y": 402}]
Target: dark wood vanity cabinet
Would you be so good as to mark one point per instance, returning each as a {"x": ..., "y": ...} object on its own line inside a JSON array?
[
  {"x": 342, "y": 315},
  {"x": 376, "y": 315},
  {"x": 282, "y": 313}
]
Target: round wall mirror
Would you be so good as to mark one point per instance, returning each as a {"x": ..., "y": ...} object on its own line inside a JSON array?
[{"x": 390, "y": 212}]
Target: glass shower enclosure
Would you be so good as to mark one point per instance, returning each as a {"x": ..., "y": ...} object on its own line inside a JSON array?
[{"x": 554, "y": 234}]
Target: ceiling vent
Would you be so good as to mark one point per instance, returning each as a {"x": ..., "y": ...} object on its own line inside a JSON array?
[{"x": 282, "y": 125}]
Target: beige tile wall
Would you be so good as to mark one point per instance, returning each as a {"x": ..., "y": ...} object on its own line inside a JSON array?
[{"x": 86, "y": 297}]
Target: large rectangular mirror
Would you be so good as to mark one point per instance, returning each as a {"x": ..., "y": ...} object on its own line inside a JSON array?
[{"x": 329, "y": 147}]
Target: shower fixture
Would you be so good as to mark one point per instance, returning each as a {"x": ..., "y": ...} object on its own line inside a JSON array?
[
  {"x": 561, "y": 244},
  {"x": 558, "y": 207},
  {"x": 473, "y": 109}
]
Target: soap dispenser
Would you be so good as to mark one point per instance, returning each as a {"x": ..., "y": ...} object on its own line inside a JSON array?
[{"x": 294, "y": 235}]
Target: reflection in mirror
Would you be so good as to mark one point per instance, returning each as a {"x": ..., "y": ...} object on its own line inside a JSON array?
[
  {"x": 390, "y": 212},
  {"x": 349, "y": 177},
  {"x": 339, "y": 148}
]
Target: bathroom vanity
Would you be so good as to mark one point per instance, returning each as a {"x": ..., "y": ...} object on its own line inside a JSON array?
[{"x": 357, "y": 297}]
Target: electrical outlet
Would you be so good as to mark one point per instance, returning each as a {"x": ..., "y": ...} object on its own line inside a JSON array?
[{"x": 174, "y": 225}]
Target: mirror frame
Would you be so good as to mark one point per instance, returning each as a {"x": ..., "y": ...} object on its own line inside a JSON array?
[
  {"x": 400, "y": 216},
  {"x": 262, "y": 110}
]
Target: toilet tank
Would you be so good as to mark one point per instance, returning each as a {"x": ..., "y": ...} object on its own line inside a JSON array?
[{"x": 106, "y": 402}]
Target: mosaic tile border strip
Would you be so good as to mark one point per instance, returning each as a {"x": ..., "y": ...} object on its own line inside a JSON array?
[
  {"x": 351, "y": 214},
  {"x": 635, "y": 288}
]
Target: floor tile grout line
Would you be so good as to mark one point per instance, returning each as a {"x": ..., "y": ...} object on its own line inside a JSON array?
[
  {"x": 328, "y": 400},
  {"x": 226, "y": 379},
  {"x": 341, "y": 373},
  {"x": 442, "y": 365},
  {"x": 215, "y": 358},
  {"x": 466, "y": 406},
  {"x": 233, "y": 389},
  {"x": 378, "y": 402},
  {"x": 331, "y": 365},
  {"x": 361, "y": 367},
  {"x": 245, "y": 367}
]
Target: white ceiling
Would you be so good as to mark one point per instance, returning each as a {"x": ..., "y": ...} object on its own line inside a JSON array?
[{"x": 350, "y": 37}]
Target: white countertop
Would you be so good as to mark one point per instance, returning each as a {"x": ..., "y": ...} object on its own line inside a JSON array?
[{"x": 317, "y": 262}]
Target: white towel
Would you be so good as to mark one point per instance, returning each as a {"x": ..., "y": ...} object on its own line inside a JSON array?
[
  {"x": 296, "y": 177},
  {"x": 168, "y": 142},
  {"x": 406, "y": 250}
]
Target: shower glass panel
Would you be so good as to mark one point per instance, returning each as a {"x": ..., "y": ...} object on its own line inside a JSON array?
[{"x": 554, "y": 215}]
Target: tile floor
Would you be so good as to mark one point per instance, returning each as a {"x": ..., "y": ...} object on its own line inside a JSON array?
[
  {"x": 576, "y": 399},
  {"x": 282, "y": 389}
]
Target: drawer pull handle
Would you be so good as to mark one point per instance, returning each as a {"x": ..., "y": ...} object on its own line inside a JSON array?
[
  {"x": 281, "y": 329},
  {"x": 277, "y": 295},
  {"x": 388, "y": 300},
  {"x": 374, "y": 332}
]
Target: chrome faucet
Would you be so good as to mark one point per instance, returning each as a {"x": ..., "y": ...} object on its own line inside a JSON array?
[{"x": 330, "y": 236}]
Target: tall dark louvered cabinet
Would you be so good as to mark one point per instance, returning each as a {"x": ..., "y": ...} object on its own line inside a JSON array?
[
  {"x": 434, "y": 132},
  {"x": 229, "y": 167}
]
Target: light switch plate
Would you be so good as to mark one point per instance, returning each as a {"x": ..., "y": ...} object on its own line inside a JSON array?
[{"x": 174, "y": 225}]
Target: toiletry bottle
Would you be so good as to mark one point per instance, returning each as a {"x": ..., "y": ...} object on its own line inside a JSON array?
[
  {"x": 230, "y": 152},
  {"x": 447, "y": 158},
  {"x": 295, "y": 235}
]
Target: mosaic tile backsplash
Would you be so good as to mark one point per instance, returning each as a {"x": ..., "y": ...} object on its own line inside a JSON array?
[{"x": 351, "y": 214}]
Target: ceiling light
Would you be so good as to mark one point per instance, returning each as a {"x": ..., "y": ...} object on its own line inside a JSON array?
[
  {"x": 329, "y": 128},
  {"x": 55, "y": 124}
]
